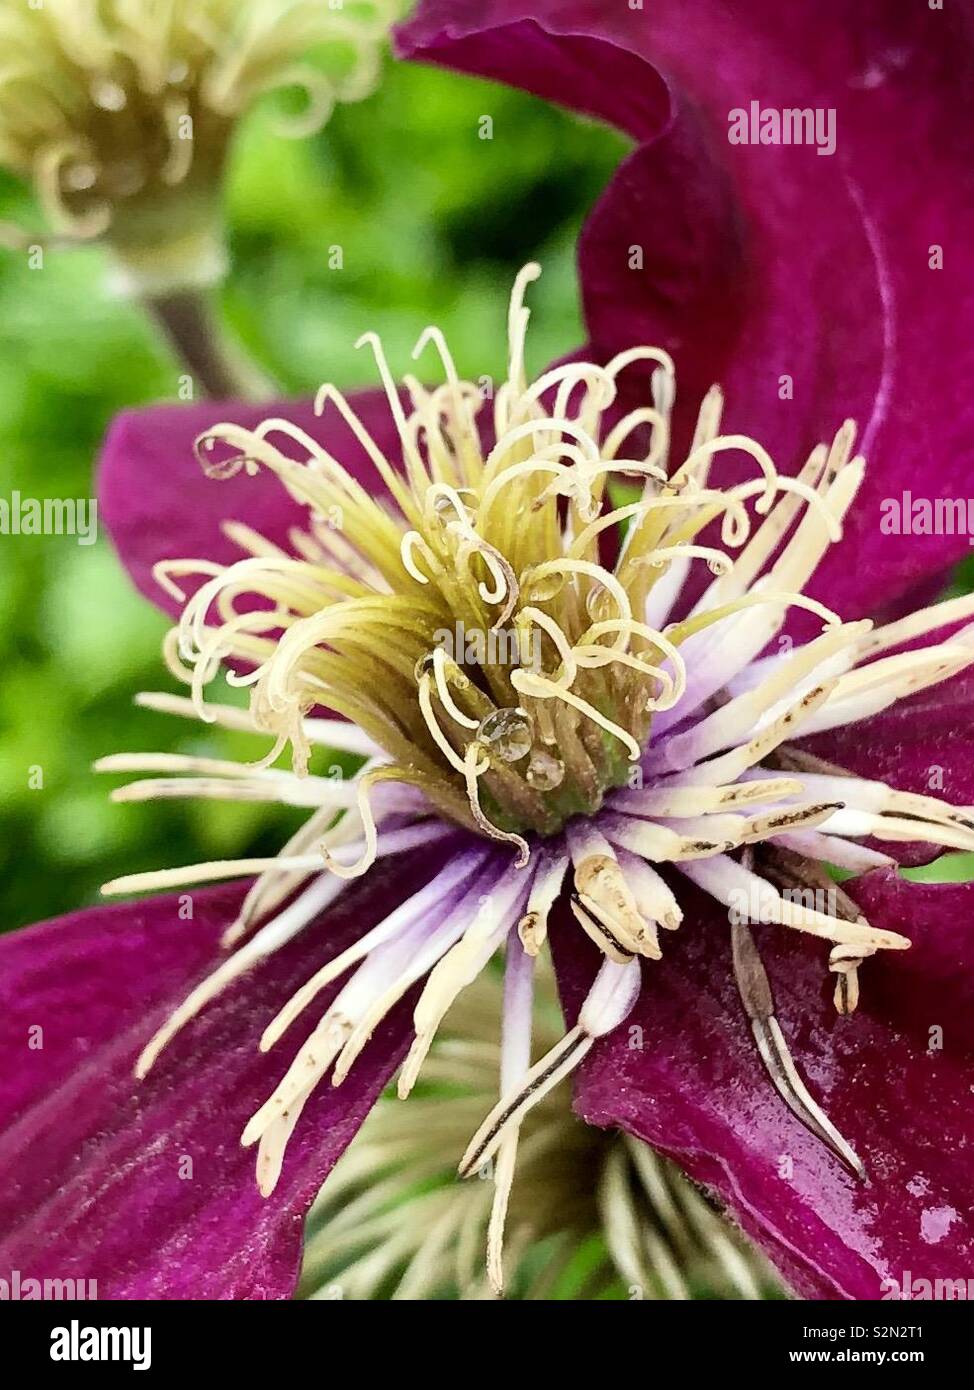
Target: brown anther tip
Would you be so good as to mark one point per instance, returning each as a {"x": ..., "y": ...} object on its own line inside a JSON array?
[
  {"x": 465, "y": 1171},
  {"x": 526, "y": 929},
  {"x": 857, "y": 1169},
  {"x": 844, "y": 1004}
]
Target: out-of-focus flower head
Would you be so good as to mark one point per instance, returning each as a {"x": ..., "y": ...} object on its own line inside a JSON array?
[{"x": 121, "y": 111}]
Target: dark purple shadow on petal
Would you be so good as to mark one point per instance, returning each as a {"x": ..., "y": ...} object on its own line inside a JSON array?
[
  {"x": 158, "y": 503},
  {"x": 144, "y": 1187},
  {"x": 937, "y": 918},
  {"x": 683, "y": 1074}
]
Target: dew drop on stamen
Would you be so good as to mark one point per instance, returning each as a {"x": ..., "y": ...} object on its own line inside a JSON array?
[
  {"x": 545, "y": 772},
  {"x": 108, "y": 95},
  {"x": 507, "y": 734},
  {"x": 598, "y": 603},
  {"x": 78, "y": 178},
  {"x": 548, "y": 587}
]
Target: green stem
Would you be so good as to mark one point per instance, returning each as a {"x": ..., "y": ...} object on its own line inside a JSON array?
[{"x": 189, "y": 324}]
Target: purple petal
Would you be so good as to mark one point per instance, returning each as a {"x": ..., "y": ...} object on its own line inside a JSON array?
[
  {"x": 567, "y": 53},
  {"x": 145, "y": 1187},
  {"x": 684, "y": 1075},
  {"x": 158, "y": 504},
  {"x": 85, "y": 977},
  {"x": 837, "y": 293}
]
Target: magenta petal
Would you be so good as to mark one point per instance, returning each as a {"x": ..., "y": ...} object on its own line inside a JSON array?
[
  {"x": 144, "y": 1187},
  {"x": 895, "y": 81},
  {"x": 697, "y": 293},
  {"x": 683, "y": 1074},
  {"x": 84, "y": 978},
  {"x": 158, "y": 504},
  {"x": 567, "y": 53}
]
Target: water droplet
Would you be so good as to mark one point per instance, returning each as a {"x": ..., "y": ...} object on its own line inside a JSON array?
[
  {"x": 507, "y": 734},
  {"x": 80, "y": 177},
  {"x": 599, "y": 603},
  {"x": 545, "y": 772},
  {"x": 545, "y": 588},
  {"x": 450, "y": 511},
  {"x": 110, "y": 96}
]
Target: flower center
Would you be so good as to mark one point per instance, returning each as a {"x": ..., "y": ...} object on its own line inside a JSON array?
[{"x": 470, "y": 622}]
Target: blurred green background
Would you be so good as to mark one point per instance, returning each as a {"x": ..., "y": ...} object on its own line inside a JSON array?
[{"x": 434, "y": 223}]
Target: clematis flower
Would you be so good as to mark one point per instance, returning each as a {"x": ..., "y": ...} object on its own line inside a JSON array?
[{"x": 661, "y": 775}]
